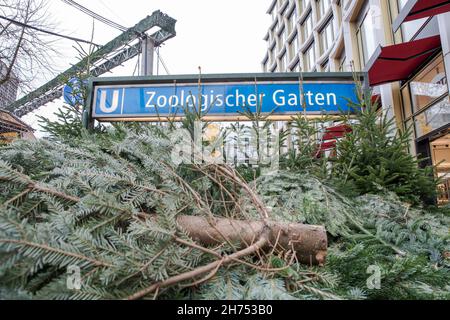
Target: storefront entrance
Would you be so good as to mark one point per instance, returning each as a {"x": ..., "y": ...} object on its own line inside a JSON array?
[
  {"x": 440, "y": 156},
  {"x": 437, "y": 151}
]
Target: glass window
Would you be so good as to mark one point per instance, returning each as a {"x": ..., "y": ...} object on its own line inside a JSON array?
[
  {"x": 409, "y": 28},
  {"x": 294, "y": 16},
  {"x": 280, "y": 41},
  {"x": 293, "y": 47},
  {"x": 282, "y": 66},
  {"x": 296, "y": 67},
  {"x": 274, "y": 27},
  {"x": 401, "y": 4},
  {"x": 304, "y": 4},
  {"x": 271, "y": 56},
  {"x": 285, "y": 33},
  {"x": 345, "y": 3},
  {"x": 326, "y": 37},
  {"x": 326, "y": 66},
  {"x": 429, "y": 85},
  {"x": 343, "y": 63},
  {"x": 323, "y": 6},
  {"x": 309, "y": 57},
  {"x": 307, "y": 27},
  {"x": 366, "y": 36},
  {"x": 290, "y": 22},
  {"x": 433, "y": 118}
]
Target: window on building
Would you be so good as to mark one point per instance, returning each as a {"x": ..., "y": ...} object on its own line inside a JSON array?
[
  {"x": 280, "y": 41},
  {"x": 282, "y": 63},
  {"x": 274, "y": 14},
  {"x": 326, "y": 36},
  {"x": 323, "y": 6},
  {"x": 273, "y": 68},
  {"x": 434, "y": 117},
  {"x": 303, "y": 4},
  {"x": 401, "y": 4},
  {"x": 274, "y": 26},
  {"x": 271, "y": 56},
  {"x": 343, "y": 62},
  {"x": 309, "y": 57},
  {"x": 425, "y": 99},
  {"x": 366, "y": 35},
  {"x": 325, "y": 66},
  {"x": 409, "y": 28},
  {"x": 294, "y": 16},
  {"x": 296, "y": 67},
  {"x": 429, "y": 85},
  {"x": 290, "y": 22},
  {"x": 293, "y": 47},
  {"x": 284, "y": 34},
  {"x": 280, "y": 3},
  {"x": 345, "y": 3},
  {"x": 307, "y": 26}
]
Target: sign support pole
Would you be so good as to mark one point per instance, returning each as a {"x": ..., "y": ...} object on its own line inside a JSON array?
[
  {"x": 86, "y": 118},
  {"x": 148, "y": 48}
]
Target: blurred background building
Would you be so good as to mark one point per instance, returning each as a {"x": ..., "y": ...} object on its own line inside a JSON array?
[
  {"x": 12, "y": 128},
  {"x": 8, "y": 90}
]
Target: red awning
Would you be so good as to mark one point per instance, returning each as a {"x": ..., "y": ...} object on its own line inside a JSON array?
[
  {"x": 418, "y": 9},
  {"x": 376, "y": 99},
  {"x": 325, "y": 146},
  {"x": 336, "y": 132},
  {"x": 398, "y": 62},
  {"x": 428, "y": 8}
]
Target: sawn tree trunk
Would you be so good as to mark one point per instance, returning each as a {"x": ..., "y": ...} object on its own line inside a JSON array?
[{"x": 309, "y": 242}]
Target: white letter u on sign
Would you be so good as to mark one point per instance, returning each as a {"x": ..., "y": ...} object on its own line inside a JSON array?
[{"x": 114, "y": 104}]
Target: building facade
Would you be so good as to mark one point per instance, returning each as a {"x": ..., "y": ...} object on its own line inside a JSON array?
[
  {"x": 403, "y": 45},
  {"x": 8, "y": 90},
  {"x": 12, "y": 128}
]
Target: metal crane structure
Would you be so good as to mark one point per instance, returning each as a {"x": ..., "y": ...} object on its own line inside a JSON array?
[{"x": 106, "y": 58}]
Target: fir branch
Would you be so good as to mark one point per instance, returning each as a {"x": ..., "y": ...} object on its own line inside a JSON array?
[
  {"x": 18, "y": 196},
  {"x": 202, "y": 270},
  {"x": 44, "y": 247}
]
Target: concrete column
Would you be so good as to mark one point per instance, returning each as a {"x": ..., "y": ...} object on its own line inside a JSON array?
[
  {"x": 148, "y": 48},
  {"x": 387, "y": 100},
  {"x": 349, "y": 43},
  {"x": 389, "y": 92},
  {"x": 444, "y": 31}
]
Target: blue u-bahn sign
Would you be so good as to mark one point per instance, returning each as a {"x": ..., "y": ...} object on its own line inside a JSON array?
[{"x": 223, "y": 97}]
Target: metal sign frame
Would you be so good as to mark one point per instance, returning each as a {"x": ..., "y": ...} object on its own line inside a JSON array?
[{"x": 247, "y": 78}]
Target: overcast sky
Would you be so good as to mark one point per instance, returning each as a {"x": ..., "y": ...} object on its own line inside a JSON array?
[{"x": 221, "y": 36}]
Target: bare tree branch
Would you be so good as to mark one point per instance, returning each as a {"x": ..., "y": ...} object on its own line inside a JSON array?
[{"x": 25, "y": 53}]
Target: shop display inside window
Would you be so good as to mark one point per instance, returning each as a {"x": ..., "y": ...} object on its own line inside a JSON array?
[
  {"x": 440, "y": 153},
  {"x": 429, "y": 85}
]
